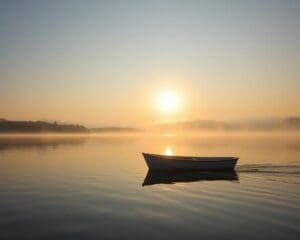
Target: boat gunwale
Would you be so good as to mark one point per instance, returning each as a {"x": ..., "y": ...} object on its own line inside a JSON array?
[{"x": 191, "y": 158}]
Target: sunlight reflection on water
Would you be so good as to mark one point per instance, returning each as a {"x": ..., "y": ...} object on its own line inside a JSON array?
[{"x": 168, "y": 151}]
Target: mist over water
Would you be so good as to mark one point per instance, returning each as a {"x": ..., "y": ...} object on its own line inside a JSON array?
[{"x": 91, "y": 187}]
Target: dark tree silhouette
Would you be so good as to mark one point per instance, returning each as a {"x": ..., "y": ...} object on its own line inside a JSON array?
[{"x": 39, "y": 126}]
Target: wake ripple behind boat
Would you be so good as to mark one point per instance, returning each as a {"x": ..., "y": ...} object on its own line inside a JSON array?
[{"x": 170, "y": 163}]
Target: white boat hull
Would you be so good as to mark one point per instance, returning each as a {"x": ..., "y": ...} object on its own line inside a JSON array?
[{"x": 171, "y": 163}]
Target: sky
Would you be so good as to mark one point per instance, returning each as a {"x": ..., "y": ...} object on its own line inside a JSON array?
[{"x": 106, "y": 63}]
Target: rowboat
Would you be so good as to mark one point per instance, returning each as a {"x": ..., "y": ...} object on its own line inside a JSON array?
[
  {"x": 171, "y": 177},
  {"x": 171, "y": 163}
]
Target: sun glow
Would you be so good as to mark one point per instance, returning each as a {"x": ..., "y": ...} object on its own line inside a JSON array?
[{"x": 168, "y": 101}]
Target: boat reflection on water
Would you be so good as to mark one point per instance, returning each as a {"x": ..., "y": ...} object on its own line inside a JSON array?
[{"x": 164, "y": 177}]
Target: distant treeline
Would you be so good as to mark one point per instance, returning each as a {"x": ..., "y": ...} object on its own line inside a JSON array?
[
  {"x": 7, "y": 126},
  {"x": 287, "y": 124},
  {"x": 39, "y": 126},
  {"x": 115, "y": 129}
]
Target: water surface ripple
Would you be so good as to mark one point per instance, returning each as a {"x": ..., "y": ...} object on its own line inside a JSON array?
[{"x": 98, "y": 188}]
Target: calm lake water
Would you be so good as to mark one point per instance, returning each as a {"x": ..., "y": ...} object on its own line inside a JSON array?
[{"x": 91, "y": 187}]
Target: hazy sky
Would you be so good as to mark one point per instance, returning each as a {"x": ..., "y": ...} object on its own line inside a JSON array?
[{"x": 105, "y": 62}]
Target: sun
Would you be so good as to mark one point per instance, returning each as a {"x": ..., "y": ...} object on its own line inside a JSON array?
[{"x": 168, "y": 101}]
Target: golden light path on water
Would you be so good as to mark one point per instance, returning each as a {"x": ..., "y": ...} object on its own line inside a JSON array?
[{"x": 168, "y": 151}]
